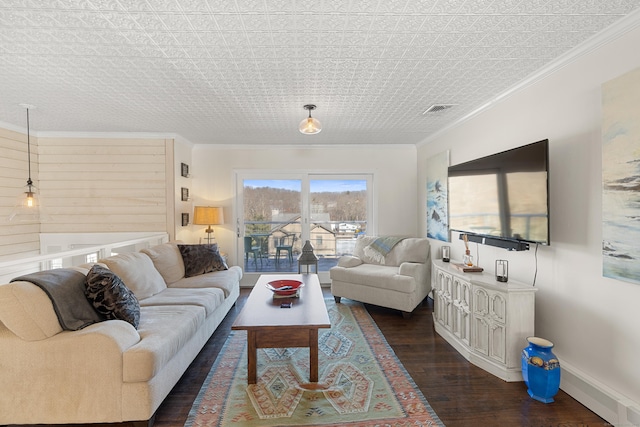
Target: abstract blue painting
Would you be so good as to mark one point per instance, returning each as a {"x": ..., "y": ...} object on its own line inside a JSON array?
[
  {"x": 437, "y": 197},
  {"x": 621, "y": 177}
]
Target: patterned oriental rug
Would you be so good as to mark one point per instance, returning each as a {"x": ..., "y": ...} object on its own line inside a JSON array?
[{"x": 361, "y": 382}]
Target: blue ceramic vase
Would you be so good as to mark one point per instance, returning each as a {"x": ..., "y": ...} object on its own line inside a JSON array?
[{"x": 540, "y": 369}]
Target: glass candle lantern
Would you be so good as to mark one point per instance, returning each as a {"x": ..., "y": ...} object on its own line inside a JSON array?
[
  {"x": 446, "y": 253},
  {"x": 502, "y": 270}
]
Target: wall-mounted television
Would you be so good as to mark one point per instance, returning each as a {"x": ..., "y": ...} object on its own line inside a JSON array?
[{"x": 503, "y": 199}]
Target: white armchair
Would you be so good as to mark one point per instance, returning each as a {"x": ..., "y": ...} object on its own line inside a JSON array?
[{"x": 401, "y": 279}]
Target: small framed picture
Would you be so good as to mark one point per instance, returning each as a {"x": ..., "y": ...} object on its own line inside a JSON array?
[
  {"x": 185, "y": 219},
  {"x": 184, "y": 194},
  {"x": 184, "y": 170}
]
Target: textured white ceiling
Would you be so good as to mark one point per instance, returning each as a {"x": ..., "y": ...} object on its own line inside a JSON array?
[{"x": 240, "y": 71}]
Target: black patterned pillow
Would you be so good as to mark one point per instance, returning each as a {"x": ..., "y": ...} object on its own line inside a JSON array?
[
  {"x": 111, "y": 297},
  {"x": 200, "y": 259}
]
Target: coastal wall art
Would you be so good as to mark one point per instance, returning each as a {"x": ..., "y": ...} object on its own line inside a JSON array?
[
  {"x": 437, "y": 197},
  {"x": 621, "y": 177}
]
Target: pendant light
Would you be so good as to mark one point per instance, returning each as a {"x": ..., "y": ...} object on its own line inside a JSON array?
[
  {"x": 28, "y": 207},
  {"x": 310, "y": 126}
]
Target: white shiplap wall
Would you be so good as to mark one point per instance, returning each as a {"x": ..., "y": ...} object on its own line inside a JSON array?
[
  {"x": 94, "y": 185},
  {"x": 16, "y": 239},
  {"x": 87, "y": 185}
]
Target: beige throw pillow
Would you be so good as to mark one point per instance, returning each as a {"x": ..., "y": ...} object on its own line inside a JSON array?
[
  {"x": 137, "y": 272},
  {"x": 167, "y": 260}
]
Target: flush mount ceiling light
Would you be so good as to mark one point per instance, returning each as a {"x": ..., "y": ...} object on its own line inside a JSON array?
[{"x": 310, "y": 126}]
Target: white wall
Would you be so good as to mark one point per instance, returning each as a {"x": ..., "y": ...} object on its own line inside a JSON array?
[
  {"x": 394, "y": 169},
  {"x": 592, "y": 320},
  {"x": 182, "y": 154}
]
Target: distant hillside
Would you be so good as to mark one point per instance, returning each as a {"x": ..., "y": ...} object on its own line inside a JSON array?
[{"x": 260, "y": 203}]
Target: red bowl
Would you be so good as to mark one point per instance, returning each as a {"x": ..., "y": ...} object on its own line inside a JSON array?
[{"x": 284, "y": 286}]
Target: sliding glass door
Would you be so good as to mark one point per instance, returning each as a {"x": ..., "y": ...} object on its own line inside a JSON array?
[{"x": 278, "y": 212}]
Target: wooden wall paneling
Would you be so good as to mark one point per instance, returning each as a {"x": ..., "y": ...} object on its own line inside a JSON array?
[
  {"x": 104, "y": 185},
  {"x": 16, "y": 239}
]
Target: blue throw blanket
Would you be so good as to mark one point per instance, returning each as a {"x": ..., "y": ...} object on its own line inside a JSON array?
[
  {"x": 381, "y": 247},
  {"x": 65, "y": 287}
]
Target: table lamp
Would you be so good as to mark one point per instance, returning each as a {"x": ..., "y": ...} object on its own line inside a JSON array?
[{"x": 208, "y": 215}]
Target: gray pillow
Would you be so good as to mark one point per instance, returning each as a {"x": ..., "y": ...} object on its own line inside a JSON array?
[
  {"x": 200, "y": 259},
  {"x": 111, "y": 297}
]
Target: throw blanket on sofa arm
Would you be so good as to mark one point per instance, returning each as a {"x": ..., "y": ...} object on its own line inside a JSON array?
[
  {"x": 381, "y": 246},
  {"x": 65, "y": 288}
]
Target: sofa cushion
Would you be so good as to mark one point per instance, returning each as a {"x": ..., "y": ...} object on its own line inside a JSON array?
[
  {"x": 349, "y": 261},
  {"x": 27, "y": 311},
  {"x": 208, "y": 298},
  {"x": 167, "y": 260},
  {"x": 137, "y": 272},
  {"x": 373, "y": 275},
  {"x": 226, "y": 280},
  {"x": 110, "y": 297},
  {"x": 164, "y": 331},
  {"x": 200, "y": 259}
]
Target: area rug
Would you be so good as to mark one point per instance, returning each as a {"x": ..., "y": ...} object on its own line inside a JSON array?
[{"x": 361, "y": 382}]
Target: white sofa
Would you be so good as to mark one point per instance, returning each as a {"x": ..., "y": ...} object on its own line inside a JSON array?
[
  {"x": 108, "y": 371},
  {"x": 399, "y": 279}
]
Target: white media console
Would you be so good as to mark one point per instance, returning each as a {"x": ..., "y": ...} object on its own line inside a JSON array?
[{"x": 484, "y": 320}]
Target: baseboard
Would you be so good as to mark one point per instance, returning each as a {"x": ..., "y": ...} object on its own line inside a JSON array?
[{"x": 607, "y": 403}]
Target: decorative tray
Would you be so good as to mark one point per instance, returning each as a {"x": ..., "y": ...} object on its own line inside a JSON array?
[{"x": 467, "y": 268}]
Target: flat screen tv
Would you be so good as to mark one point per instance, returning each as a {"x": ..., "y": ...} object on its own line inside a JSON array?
[{"x": 503, "y": 199}]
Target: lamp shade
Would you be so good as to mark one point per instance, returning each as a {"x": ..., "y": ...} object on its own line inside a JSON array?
[{"x": 207, "y": 215}]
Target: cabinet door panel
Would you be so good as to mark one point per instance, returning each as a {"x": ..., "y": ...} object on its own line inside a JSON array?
[
  {"x": 480, "y": 335},
  {"x": 498, "y": 308},
  {"x": 461, "y": 309},
  {"x": 465, "y": 308},
  {"x": 498, "y": 345},
  {"x": 448, "y": 301},
  {"x": 480, "y": 302}
]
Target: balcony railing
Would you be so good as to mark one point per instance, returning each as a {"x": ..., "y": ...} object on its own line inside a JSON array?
[
  {"x": 74, "y": 257},
  {"x": 330, "y": 239}
]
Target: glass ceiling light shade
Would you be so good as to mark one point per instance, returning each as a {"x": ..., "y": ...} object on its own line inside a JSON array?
[
  {"x": 28, "y": 207},
  {"x": 208, "y": 215},
  {"x": 310, "y": 126}
]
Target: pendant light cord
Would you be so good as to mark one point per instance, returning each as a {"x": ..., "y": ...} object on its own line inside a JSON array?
[{"x": 29, "y": 182}]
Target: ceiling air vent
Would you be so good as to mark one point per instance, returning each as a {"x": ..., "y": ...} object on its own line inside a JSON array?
[{"x": 436, "y": 108}]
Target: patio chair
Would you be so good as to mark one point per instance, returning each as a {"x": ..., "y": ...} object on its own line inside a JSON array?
[
  {"x": 285, "y": 244},
  {"x": 250, "y": 249}
]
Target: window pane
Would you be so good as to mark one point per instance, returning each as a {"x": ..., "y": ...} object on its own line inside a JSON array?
[
  {"x": 272, "y": 227},
  {"x": 338, "y": 215}
]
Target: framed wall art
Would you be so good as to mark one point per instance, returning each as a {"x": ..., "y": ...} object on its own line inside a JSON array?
[
  {"x": 437, "y": 197},
  {"x": 620, "y": 172},
  {"x": 184, "y": 170},
  {"x": 184, "y": 195},
  {"x": 185, "y": 219}
]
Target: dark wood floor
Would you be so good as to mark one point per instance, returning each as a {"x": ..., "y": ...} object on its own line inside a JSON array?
[{"x": 460, "y": 393}]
